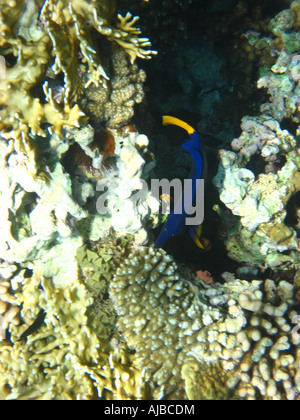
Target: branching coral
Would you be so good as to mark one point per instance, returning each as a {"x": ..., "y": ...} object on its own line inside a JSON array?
[
  {"x": 114, "y": 101},
  {"x": 64, "y": 359},
  {"x": 32, "y": 32},
  {"x": 22, "y": 114},
  {"x": 76, "y": 18}
]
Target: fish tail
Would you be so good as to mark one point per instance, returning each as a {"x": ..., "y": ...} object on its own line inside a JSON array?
[
  {"x": 195, "y": 233},
  {"x": 167, "y": 120}
]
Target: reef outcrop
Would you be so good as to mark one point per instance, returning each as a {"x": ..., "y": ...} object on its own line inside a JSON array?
[
  {"x": 51, "y": 58},
  {"x": 207, "y": 341},
  {"x": 51, "y": 163},
  {"x": 87, "y": 310},
  {"x": 260, "y": 177}
]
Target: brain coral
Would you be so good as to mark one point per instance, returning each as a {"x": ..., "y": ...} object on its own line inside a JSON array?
[{"x": 222, "y": 341}]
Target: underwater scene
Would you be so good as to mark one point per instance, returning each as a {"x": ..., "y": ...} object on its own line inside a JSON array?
[{"x": 149, "y": 200}]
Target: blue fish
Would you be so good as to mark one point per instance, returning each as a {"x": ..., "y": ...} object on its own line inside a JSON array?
[{"x": 176, "y": 220}]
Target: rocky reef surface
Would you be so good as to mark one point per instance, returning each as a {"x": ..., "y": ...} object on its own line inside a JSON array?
[{"x": 259, "y": 178}]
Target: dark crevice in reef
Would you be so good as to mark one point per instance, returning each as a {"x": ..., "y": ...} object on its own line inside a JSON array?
[
  {"x": 205, "y": 73},
  {"x": 293, "y": 211}
]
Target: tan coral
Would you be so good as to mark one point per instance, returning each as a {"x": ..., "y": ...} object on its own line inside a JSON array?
[
  {"x": 162, "y": 318},
  {"x": 204, "y": 381},
  {"x": 68, "y": 356},
  {"x": 9, "y": 308},
  {"x": 191, "y": 340},
  {"x": 73, "y": 16},
  {"x": 114, "y": 102},
  {"x": 232, "y": 340}
]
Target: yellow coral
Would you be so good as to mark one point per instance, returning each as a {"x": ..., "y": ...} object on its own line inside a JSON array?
[
  {"x": 69, "y": 356},
  {"x": 191, "y": 340}
]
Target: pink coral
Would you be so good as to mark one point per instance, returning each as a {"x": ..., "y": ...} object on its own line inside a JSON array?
[
  {"x": 236, "y": 144},
  {"x": 205, "y": 276}
]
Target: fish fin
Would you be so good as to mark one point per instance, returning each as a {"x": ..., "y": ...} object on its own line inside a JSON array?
[
  {"x": 195, "y": 232},
  {"x": 167, "y": 120}
]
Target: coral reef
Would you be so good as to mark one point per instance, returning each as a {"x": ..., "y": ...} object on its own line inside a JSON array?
[
  {"x": 114, "y": 102},
  {"x": 53, "y": 54},
  {"x": 70, "y": 343},
  {"x": 32, "y": 32},
  {"x": 46, "y": 218},
  {"x": 69, "y": 356},
  {"x": 41, "y": 204},
  {"x": 214, "y": 342},
  {"x": 258, "y": 180},
  {"x": 86, "y": 310},
  {"x": 284, "y": 78},
  {"x": 281, "y": 78},
  {"x": 261, "y": 235},
  {"x": 62, "y": 340}
]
